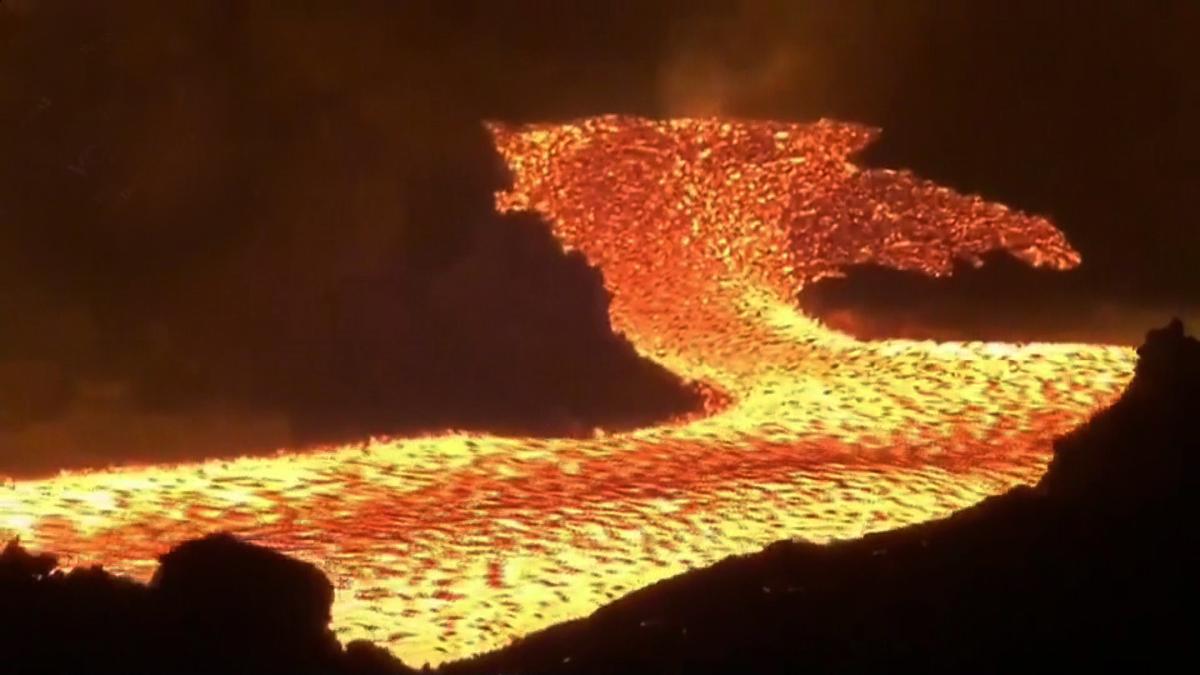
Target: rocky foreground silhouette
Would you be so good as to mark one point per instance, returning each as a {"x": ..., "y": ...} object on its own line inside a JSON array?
[{"x": 1095, "y": 566}]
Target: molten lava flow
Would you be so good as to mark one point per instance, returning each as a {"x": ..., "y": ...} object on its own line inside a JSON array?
[{"x": 443, "y": 546}]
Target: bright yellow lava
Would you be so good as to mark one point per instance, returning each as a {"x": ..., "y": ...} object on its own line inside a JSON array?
[{"x": 705, "y": 230}]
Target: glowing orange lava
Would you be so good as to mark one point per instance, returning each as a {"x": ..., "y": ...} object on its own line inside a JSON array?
[{"x": 446, "y": 545}]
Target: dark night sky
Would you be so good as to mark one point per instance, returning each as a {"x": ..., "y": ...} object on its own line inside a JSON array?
[{"x": 231, "y": 225}]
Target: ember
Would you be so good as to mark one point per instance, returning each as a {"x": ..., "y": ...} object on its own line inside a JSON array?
[{"x": 447, "y": 545}]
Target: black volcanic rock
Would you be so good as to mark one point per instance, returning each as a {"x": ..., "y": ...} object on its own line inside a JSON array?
[
  {"x": 77, "y": 622},
  {"x": 257, "y": 607},
  {"x": 1169, "y": 361},
  {"x": 17, "y": 564},
  {"x": 366, "y": 658},
  {"x": 1137, "y": 452},
  {"x": 216, "y": 605}
]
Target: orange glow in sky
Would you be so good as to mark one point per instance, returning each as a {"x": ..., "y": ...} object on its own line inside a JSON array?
[{"x": 705, "y": 230}]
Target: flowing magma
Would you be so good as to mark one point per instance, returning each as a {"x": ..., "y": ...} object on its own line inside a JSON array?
[{"x": 705, "y": 230}]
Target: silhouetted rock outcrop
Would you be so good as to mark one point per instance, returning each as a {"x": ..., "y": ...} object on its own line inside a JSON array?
[
  {"x": 1169, "y": 361},
  {"x": 271, "y": 610},
  {"x": 1136, "y": 452},
  {"x": 17, "y": 564},
  {"x": 367, "y": 658},
  {"x": 80, "y": 621},
  {"x": 216, "y": 605}
]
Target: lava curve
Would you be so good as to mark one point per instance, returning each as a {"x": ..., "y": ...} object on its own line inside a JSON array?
[{"x": 445, "y": 545}]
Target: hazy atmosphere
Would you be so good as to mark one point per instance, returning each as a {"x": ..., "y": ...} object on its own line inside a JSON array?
[{"x": 230, "y": 227}]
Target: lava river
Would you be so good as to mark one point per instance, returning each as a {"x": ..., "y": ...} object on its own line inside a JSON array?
[{"x": 445, "y": 545}]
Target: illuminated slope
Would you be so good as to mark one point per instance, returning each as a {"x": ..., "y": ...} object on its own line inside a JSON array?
[{"x": 446, "y": 545}]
